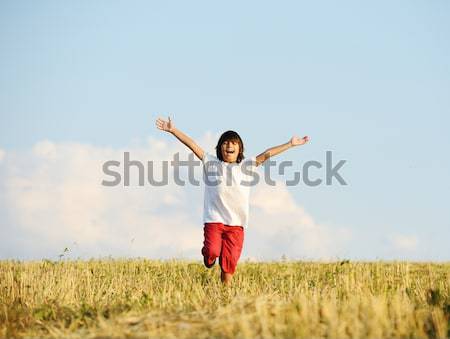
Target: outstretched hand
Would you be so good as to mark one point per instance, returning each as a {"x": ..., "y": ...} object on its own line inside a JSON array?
[
  {"x": 164, "y": 125},
  {"x": 297, "y": 141}
]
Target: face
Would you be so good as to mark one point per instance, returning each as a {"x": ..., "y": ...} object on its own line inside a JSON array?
[{"x": 230, "y": 150}]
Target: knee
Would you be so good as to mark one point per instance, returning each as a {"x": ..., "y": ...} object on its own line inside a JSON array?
[{"x": 210, "y": 252}]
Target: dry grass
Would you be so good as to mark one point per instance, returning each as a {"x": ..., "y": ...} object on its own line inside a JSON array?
[{"x": 143, "y": 298}]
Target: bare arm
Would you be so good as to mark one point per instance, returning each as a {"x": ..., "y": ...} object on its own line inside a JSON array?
[
  {"x": 168, "y": 126},
  {"x": 270, "y": 152}
]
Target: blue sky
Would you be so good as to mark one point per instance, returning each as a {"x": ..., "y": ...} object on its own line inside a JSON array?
[{"x": 369, "y": 81}]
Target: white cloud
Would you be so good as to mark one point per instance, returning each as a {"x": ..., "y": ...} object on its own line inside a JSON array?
[
  {"x": 402, "y": 242},
  {"x": 45, "y": 149},
  {"x": 283, "y": 227},
  {"x": 51, "y": 197},
  {"x": 2, "y": 154}
]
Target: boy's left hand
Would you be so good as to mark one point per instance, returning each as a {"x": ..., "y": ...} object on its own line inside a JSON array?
[{"x": 297, "y": 141}]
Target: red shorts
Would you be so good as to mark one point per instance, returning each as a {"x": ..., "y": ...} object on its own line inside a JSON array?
[{"x": 225, "y": 242}]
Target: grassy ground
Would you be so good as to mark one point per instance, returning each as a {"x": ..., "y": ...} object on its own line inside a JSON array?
[{"x": 143, "y": 298}]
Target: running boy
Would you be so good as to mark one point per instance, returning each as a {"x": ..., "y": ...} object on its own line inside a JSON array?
[{"x": 226, "y": 200}]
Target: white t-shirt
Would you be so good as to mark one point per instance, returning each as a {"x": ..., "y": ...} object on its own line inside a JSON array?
[{"x": 227, "y": 190}]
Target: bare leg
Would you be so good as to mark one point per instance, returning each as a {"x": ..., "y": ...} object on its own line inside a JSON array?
[{"x": 226, "y": 277}]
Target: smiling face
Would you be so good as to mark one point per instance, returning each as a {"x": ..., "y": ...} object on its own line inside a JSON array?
[
  {"x": 230, "y": 150},
  {"x": 230, "y": 147}
]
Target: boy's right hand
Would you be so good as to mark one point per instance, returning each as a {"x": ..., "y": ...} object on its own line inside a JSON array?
[{"x": 167, "y": 126}]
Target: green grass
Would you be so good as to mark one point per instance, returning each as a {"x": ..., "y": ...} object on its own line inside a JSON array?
[{"x": 179, "y": 299}]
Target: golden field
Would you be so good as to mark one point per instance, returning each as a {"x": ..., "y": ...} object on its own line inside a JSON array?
[{"x": 181, "y": 299}]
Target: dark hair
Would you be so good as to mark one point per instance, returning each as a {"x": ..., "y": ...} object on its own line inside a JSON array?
[{"x": 230, "y": 136}]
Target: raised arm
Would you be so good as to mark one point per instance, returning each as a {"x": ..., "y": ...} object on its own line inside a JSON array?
[
  {"x": 168, "y": 126},
  {"x": 270, "y": 152}
]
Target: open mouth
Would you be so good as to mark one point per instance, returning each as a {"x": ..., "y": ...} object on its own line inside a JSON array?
[{"x": 229, "y": 151}]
